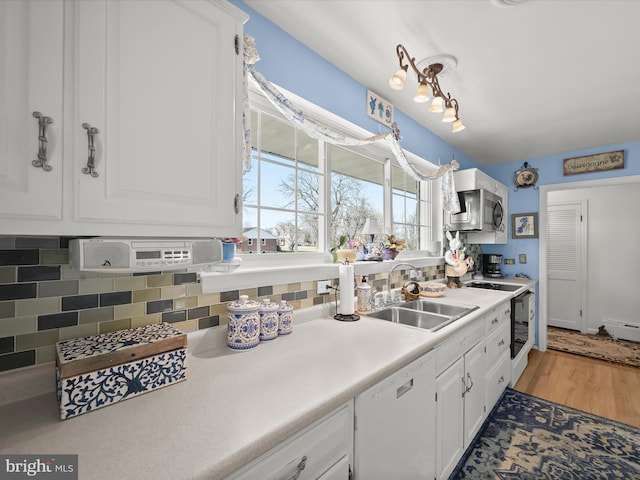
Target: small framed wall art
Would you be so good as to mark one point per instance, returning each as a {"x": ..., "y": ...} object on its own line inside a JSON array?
[
  {"x": 379, "y": 109},
  {"x": 524, "y": 225}
]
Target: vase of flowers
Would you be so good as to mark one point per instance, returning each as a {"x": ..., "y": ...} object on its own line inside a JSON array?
[{"x": 392, "y": 247}]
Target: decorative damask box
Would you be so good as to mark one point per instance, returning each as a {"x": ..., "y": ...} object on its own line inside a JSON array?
[{"x": 93, "y": 372}]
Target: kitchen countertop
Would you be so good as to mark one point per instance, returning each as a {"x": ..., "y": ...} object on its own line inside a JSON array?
[{"x": 234, "y": 406}]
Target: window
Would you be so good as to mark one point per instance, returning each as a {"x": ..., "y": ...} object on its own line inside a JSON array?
[
  {"x": 302, "y": 194},
  {"x": 411, "y": 206},
  {"x": 282, "y": 192}
]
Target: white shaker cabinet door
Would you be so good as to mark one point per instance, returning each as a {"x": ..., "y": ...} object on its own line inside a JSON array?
[
  {"x": 31, "y": 66},
  {"x": 158, "y": 84}
]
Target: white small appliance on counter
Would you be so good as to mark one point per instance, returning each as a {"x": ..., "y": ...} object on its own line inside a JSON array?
[{"x": 126, "y": 255}]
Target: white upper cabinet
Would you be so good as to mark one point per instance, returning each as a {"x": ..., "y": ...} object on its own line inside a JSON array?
[
  {"x": 31, "y": 62},
  {"x": 153, "y": 132}
]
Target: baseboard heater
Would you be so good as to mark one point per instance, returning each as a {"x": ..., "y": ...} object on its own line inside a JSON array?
[{"x": 622, "y": 330}]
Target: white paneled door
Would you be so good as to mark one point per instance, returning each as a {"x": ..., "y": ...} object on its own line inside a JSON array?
[{"x": 566, "y": 253}]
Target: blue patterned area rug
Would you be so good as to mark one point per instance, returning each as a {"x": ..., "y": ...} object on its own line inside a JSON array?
[{"x": 528, "y": 438}]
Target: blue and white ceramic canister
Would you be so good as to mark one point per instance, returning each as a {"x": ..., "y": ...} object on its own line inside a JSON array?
[
  {"x": 285, "y": 314},
  {"x": 243, "y": 324},
  {"x": 268, "y": 320}
]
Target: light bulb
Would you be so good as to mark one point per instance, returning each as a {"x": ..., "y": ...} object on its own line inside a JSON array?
[
  {"x": 436, "y": 105},
  {"x": 397, "y": 80},
  {"x": 457, "y": 126},
  {"x": 422, "y": 95},
  {"x": 449, "y": 115}
]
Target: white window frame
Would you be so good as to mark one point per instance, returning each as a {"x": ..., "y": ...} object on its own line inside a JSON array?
[{"x": 377, "y": 150}]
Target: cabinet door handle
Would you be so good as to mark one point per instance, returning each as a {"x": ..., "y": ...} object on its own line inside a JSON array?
[
  {"x": 301, "y": 466},
  {"x": 236, "y": 203},
  {"x": 91, "y": 160},
  {"x": 501, "y": 342},
  {"x": 465, "y": 389},
  {"x": 501, "y": 379},
  {"x": 470, "y": 382},
  {"x": 494, "y": 321},
  {"x": 41, "y": 162}
]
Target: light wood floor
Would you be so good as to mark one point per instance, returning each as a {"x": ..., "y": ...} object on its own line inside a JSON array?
[{"x": 595, "y": 386}]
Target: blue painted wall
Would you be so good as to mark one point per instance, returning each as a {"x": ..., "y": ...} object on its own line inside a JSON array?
[
  {"x": 288, "y": 63},
  {"x": 528, "y": 200}
]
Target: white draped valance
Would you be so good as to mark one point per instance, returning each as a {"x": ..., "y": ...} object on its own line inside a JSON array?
[{"x": 323, "y": 132}]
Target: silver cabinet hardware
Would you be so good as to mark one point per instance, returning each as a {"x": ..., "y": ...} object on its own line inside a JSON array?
[
  {"x": 470, "y": 381},
  {"x": 41, "y": 162},
  {"x": 236, "y": 203},
  {"x": 91, "y": 160},
  {"x": 301, "y": 466}
]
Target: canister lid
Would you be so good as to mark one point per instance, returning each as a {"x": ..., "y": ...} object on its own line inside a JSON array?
[
  {"x": 268, "y": 306},
  {"x": 284, "y": 306},
  {"x": 243, "y": 304}
]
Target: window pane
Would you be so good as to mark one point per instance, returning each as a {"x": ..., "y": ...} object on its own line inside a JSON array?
[
  {"x": 308, "y": 193},
  {"x": 356, "y": 192},
  {"x": 398, "y": 209},
  {"x": 277, "y": 139},
  {"x": 307, "y": 152},
  {"x": 281, "y": 229},
  {"x": 309, "y": 227},
  {"x": 277, "y": 186},
  {"x": 249, "y": 183},
  {"x": 406, "y": 206}
]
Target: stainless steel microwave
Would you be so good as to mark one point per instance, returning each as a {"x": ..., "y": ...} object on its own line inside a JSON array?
[{"x": 480, "y": 211}]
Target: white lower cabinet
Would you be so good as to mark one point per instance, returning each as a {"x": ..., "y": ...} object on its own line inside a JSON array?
[
  {"x": 460, "y": 406},
  {"x": 498, "y": 332},
  {"x": 323, "y": 450},
  {"x": 395, "y": 425}
]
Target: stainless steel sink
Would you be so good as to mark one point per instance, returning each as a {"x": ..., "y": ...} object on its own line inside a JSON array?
[
  {"x": 430, "y": 316},
  {"x": 448, "y": 309}
]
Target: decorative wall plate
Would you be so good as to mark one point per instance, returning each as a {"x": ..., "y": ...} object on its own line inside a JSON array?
[{"x": 526, "y": 177}]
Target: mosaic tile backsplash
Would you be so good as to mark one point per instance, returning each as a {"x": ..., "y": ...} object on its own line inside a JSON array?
[{"x": 43, "y": 300}]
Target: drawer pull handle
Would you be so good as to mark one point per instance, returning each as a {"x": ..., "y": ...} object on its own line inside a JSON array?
[
  {"x": 501, "y": 342},
  {"x": 91, "y": 159},
  {"x": 404, "y": 388},
  {"x": 494, "y": 321},
  {"x": 41, "y": 162},
  {"x": 467, "y": 386},
  {"x": 301, "y": 466},
  {"x": 501, "y": 379}
]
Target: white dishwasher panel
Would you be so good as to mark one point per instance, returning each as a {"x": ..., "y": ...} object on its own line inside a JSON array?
[{"x": 395, "y": 425}]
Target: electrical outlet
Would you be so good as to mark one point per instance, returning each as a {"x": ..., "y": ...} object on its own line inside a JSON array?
[{"x": 324, "y": 287}]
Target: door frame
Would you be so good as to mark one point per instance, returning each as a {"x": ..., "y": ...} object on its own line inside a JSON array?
[{"x": 543, "y": 304}]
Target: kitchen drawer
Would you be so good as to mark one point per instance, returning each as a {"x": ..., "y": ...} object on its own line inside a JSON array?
[
  {"x": 497, "y": 379},
  {"x": 452, "y": 349},
  {"x": 313, "y": 452},
  {"x": 498, "y": 342},
  {"x": 497, "y": 317}
]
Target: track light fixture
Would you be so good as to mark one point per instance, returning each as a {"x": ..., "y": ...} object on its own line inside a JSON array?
[{"x": 428, "y": 77}]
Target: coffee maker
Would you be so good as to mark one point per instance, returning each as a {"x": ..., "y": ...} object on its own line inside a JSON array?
[{"x": 491, "y": 265}]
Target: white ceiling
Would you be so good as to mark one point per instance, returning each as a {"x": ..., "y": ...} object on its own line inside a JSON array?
[{"x": 538, "y": 78}]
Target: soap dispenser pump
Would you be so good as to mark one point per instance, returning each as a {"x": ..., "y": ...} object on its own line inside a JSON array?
[{"x": 363, "y": 293}]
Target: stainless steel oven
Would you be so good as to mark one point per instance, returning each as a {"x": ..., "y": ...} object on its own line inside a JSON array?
[{"x": 519, "y": 322}]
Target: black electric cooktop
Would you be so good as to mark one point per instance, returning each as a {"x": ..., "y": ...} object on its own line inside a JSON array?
[{"x": 494, "y": 286}]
